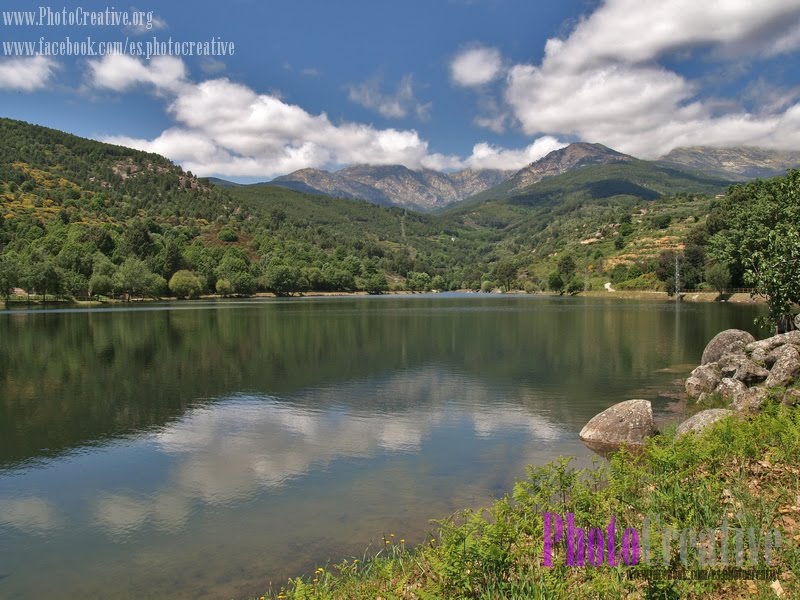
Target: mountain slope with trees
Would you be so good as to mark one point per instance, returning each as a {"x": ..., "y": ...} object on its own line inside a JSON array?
[{"x": 82, "y": 218}]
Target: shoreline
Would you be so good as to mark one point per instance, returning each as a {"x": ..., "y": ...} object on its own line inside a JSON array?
[
  {"x": 647, "y": 295},
  {"x": 708, "y": 297}
]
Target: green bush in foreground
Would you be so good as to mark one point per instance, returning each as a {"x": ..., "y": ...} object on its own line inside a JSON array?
[{"x": 745, "y": 472}]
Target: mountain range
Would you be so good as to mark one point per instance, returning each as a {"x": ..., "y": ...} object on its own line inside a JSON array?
[
  {"x": 426, "y": 190},
  {"x": 737, "y": 164},
  {"x": 65, "y": 198},
  {"x": 395, "y": 185}
]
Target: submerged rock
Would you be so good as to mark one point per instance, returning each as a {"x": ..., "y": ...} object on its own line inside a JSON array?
[
  {"x": 725, "y": 342},
  {"x": 628, "y": 423},
  {"x": 702, "y": 420}
]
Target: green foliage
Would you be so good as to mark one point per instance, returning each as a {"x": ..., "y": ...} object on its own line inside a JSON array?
[
  {"x": 135, "y": 279},
  {"x": 101, "y": 285},
  {"x": 235, "y": 267},
  {"x": 438, "y": 283},
  {"x": 619, "y": 273},
  {"x": 224, "y": 287},
  {"x": 282, "y": 279},
  {"x": 718, "y": 277},
  {"x": 555, "y": 282},
  {"x": 566, "y": 267},
  {"x": 761, "y": 233},
  {"x": 185, "y": 284},
  {"x": 661, "y": 221},
  {"x": 419, "y": 282},
  {"x": 376, "y": 284},
  {"x": 505, "y": 273},
  {"x": 575, "y": 286},
  {"x": 227, "y": 234},
  {"x": 9, "y": 273}
]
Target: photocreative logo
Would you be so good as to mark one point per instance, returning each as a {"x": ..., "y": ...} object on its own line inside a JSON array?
[{"x": 654, "y": 545}]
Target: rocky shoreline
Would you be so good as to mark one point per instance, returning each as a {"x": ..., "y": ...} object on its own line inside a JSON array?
[{"x": 736, "y": 371}]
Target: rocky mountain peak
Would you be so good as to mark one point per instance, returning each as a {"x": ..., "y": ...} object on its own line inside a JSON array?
[{"x": 566, "y": 159}]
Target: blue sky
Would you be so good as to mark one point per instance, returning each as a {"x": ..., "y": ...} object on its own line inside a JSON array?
[{"x": 443, "y": 84}]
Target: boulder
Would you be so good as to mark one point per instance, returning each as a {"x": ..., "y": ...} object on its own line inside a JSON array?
[
  {"x": 760, "y": 350},
  {"x": 702, "y": 420},
  {"x": 704, "y": 378},
  {"x": 729, "y": 388},
  {"x": 742, "y": 368},
  {"x": 785, "y": 368},
  {"x": 791, "y": 397},
  {"x": 751, "y": 400},
  {"x": 627, "y": 423},
  {"x": 779, "y": 352},
  {"x": 722, "y": 344}
]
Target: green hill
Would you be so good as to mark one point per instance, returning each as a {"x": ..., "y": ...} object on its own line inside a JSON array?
[
  {"x": 80, "y": 217},
  {"x": 634, "y": 179}
]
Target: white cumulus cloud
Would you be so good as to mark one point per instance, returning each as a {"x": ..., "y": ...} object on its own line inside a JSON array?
[
  {"x": 392, "y": 106},
  {"x": 118, "y": 73},
  {"x": 603, "y": 82},
  {"x": 487, "y": 156},
  {"x": 225, "y": 128},
  {"x": 26, "y": 74},
  {"x": 476, "y": 66}
]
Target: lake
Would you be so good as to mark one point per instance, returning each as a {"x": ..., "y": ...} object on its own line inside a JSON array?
[{"x": 203, "y": 450}]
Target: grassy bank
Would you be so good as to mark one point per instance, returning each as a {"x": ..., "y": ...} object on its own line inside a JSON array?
[
  {"x": 745, "y": 472},
  {"x": 738, "y": 298}
]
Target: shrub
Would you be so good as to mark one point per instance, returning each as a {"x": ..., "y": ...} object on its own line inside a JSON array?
[
  {"x": 224, "y": 287},
  {"x": 227, "y": 234},
  {"x": 185, "y": 284}
]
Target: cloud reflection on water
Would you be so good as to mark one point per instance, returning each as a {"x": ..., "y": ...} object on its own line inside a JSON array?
[{"x": 237, "y": 448}]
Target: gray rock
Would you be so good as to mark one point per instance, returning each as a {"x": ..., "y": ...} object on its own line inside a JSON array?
[
  {"x": 729, "y": 388},
  {"x": 785, "y": 368},
  {"x": 721, "y": 343},
  {"x": 776, "y": 354},
  {"x": 703, "y": 379},
  {"x": 628, "y": 423},
  {"x": 791, "y": 397},
  {"x": 742, "y": 368},
  {"x": 702, "y": 420},
  {"x": 760, "y": 350},
  {"x": 751, "y": 400}
]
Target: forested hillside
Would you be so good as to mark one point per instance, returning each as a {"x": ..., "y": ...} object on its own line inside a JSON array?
[{"x": 82, "y": 218}]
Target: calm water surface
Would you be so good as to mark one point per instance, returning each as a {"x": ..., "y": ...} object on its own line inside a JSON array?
[{"x": 203, "y": 450}]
